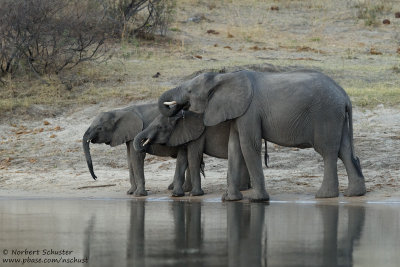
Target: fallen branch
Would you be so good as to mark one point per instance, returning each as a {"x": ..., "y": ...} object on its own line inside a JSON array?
[{"x": 96, "y": 186}]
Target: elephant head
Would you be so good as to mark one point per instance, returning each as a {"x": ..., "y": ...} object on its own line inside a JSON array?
[
  {"x": 112, "y": 128},
  {"x": 220, "y": 96},
  {"x": 171, "y": 131}
]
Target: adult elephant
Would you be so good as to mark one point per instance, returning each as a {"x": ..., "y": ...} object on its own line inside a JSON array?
[
  {"x": 121, "y": 126},
  {"x": 186, "y": 129},
  {"x": 301, "y": 109}
]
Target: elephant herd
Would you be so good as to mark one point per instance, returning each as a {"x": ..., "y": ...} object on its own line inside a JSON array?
[{"x": 228, "y": 115}]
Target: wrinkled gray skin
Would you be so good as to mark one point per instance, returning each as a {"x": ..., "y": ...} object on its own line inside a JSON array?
[
  {"x": 295, "y": 109},
  {"x": 187, "y": 129},
  {"x": 121, "y": 126}
]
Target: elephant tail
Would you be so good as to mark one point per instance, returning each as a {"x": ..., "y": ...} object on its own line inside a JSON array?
[
  {"x": 202, "y": 168},
  {"x": 266, "y": 156},
  {"x": 349, "y": 119}
]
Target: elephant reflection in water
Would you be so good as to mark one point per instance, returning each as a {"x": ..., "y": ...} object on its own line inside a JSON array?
[
  {"x": 252, "y": 242},
  {"x": 135, "y": 251},
  {"x": 246, "y": 239},
  {"x": 187, "y": 239},
  {"x": 340, "y": 253},
  {"x": 103, "y": 246},
  {"x": 188, "y": 230},
  {"x": 256, "y": 235},
  {"x": 306, "y": 239}
]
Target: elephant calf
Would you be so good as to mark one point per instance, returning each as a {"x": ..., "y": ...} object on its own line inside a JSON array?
[
  {"x": 186, "y": 129},
  {"x": 121, "y": 126}
]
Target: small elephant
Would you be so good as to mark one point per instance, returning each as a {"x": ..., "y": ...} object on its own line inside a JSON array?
[
  {"x": 121, "y": 126},
  {"x": 301, "y": 108},
  {"x": 187, "y": 129}
]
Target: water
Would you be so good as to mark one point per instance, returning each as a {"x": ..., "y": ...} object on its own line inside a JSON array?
[{"x": 160, "y": 233}]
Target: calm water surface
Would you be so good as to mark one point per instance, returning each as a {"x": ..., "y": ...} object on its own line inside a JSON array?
[{"x": 160, "y": 233}]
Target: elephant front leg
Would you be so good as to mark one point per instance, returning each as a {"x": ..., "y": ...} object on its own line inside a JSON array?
[
  {"x": 234, "y": 160},
  {"x": 132, "y": 180},
  {"x": 179, "y": 176},
  {"x": 244, "y": 175},
  {"x": 250, "y": 144},
  {"x": 195, "y": 157},
  {"x": 187, "y": 185},
  {"x": 131, "y": 175},
  {"x": 137, "y": 162}
]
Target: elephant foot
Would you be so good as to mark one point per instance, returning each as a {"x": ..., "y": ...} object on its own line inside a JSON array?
[
  {"x": 171, "y": 186},
  {"x": 327, "y": 193},
  {"x": 232, "y": 196},
  {"x": 259, "y": 196},
  {"x": 355, "y": 190},
  {"x": 198, "y": 192},
  {"x": 187, "y": 187},
  {"x": 131, "y": 190},
  {"x": 140, "y": 193},
  {"x": 178, "y": 192}
]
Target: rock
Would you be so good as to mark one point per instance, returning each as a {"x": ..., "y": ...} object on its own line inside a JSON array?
[
  {"x": 212, "y": 32},
  {"x": 156, "y": 75},
  {"x": 197, "y": 18}
]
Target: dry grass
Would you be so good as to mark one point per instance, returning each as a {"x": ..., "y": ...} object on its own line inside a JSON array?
[
  {"x": 367, "y": 97},
  {"x": 325, "y": 35}
]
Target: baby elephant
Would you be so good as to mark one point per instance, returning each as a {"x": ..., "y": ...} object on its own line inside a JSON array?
[
  {"x": 121, "y": 126},
  {"x": 186, "y": 129}
]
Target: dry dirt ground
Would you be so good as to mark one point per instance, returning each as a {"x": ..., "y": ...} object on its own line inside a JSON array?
[
  {"x": 41, "y": 154},
  {"x": 45, "y": 158}
]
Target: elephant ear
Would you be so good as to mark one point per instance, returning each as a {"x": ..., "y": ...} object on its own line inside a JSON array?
[
  {"x": 229, "y": 98},
  {"x": 127, "y": 125},
  {"x": 189, "y": 127}
]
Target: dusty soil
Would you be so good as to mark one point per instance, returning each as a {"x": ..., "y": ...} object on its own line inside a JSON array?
[
  {"x": 41, "y": 154},
  {"x": 45, "y": 158}
]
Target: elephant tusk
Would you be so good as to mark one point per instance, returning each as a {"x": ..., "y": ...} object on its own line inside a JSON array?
[
  {"x": 170, "y": 103},
  {"x": 146, "y": 142}
]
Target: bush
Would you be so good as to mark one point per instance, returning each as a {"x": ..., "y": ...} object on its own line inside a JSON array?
[
  {"x": 48, "y": 36},
  {"x": 140, "y": 17}
]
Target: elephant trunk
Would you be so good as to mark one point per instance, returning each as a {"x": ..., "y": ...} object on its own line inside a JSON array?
[
  {"x": 85, "y": 143},
  {"x": 138, "y": 145},
  {"x": 170, "y": 102}
]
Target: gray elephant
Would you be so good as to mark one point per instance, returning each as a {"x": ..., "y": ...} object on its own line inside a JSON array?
[
  {"x": 300, "y": 108},
  {"x": 186, "y": 129},
  {"x": 121, "y": 126}
]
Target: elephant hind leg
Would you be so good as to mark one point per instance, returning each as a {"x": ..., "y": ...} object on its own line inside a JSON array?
[
  {"x": 327, "y": 141},
  {"x": 330, "y": 182},
  {"x": 356, "y": 185}
]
